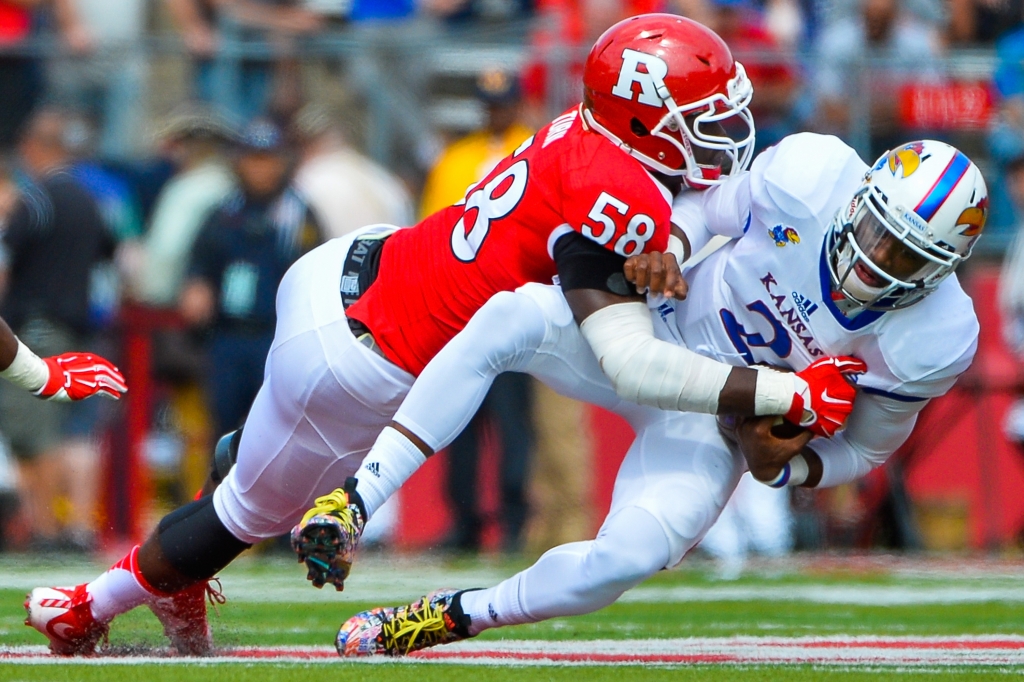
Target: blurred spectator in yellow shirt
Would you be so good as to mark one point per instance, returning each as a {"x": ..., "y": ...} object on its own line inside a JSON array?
[{"x": 469, "y": 159}]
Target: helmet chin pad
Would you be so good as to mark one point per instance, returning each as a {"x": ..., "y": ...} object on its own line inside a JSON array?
[{"x": 850, "y": 283}]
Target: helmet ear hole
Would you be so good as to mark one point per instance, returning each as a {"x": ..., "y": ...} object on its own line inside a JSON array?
[{"x": 638, "y": 128}]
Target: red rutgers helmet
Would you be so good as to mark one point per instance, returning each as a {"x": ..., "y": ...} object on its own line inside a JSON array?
[{"x": 667, "y": 91}]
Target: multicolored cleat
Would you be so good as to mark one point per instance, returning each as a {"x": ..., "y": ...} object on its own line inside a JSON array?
[
  {"x": 396, "y": 631},
  {"x": 64, "y": 615},
  {"x": 327, "y": 537}
]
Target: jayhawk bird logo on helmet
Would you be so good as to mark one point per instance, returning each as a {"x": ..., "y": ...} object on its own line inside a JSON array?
[
  {"x": 906, "y": 158},
  {"x": 973, "y": 219}
]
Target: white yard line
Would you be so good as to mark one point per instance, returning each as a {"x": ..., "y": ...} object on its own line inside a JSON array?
[
  {"x": 891, "y": 653},
  {"x": 279, "y": 588},
  {"x": 286, "y": 583}
]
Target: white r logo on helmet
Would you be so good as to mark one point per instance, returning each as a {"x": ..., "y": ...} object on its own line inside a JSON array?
[{"x": 650, "y": 80}]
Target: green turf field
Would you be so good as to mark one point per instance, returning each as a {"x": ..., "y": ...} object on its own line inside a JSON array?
[{"x": 269, "y": 605}]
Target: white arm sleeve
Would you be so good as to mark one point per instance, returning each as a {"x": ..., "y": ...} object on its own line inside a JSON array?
[
  {"x": 507, "y": 333},
  {"x": 27, "y": 370},
  {"x": 648, "y": 371},
  {"x": 877, "y": 427},
  {"x": 688, "y": 216}
]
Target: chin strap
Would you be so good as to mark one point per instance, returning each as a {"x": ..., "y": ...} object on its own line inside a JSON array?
[{"x": 591, "y": 122}]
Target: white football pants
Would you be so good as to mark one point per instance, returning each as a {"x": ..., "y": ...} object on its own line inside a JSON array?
[
  {"x": 672, "y": 485},
  {"x": 756, "y": 519},
  {"x": 325, "y": 398}
]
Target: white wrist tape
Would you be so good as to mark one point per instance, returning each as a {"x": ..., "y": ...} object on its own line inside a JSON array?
[
  {"x": 27, "y": 370},
  {"x": 676, "y": 248},
  {"x": 774, "y": 391},
  {"x": 648, "y": 371},
  {"x": 794, "y": 473}
]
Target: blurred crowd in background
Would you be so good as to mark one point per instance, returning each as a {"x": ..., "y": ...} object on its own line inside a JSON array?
[{"x": 165, "y": 161}]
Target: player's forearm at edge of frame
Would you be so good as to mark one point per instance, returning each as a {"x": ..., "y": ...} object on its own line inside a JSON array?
[
  {"x": 72, "y": 376},
  {"x": 8, "y": 345}
]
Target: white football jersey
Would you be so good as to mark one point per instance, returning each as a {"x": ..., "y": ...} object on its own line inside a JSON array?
[{"x": 766, "y": 296}]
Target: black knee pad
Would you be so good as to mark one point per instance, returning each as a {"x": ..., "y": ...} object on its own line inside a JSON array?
[{"x": 195, "y": 542}]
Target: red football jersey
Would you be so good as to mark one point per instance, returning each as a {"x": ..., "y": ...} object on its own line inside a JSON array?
[{"x": 434, "y": 276}]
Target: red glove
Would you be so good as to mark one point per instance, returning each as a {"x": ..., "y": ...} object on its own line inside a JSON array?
[
  {"x": 74, "y": 376},
  {"x": 827, "y": 400}
]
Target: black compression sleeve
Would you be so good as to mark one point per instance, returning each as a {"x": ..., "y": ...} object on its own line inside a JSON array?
[
  {"x": 196, "y": 542},
  {"x": 584, "y": 264}
]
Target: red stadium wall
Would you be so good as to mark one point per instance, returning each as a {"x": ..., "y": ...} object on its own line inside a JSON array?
[{"x": 968, "y": 457}]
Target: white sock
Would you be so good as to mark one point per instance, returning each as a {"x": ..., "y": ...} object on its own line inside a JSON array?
[
  {"x": 120, "y": 589},
  {"x": 389, "y": 464},
  {"x": 495, "y": 606}
]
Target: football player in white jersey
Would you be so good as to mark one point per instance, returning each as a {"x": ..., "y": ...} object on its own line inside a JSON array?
[{"x": 829, "y": 257}]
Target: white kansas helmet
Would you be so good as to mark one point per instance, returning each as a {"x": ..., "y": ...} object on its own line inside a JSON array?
[{"x": 913, "y": 220}]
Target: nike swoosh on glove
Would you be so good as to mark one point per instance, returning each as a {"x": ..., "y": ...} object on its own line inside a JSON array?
[
  {"x": 824, "y": 397},
  {"x": 75, "y": 376}
]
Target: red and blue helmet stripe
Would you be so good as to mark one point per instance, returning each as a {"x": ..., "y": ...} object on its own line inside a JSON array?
[{"x": 943, "y": 187}]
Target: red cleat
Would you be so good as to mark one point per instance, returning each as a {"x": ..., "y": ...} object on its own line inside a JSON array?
[
  {"x": 64, "y": 616},
  {"x": 183, "y": 615}
]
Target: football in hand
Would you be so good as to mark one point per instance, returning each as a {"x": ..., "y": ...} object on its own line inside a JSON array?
[{"x": 786, "y": 429}]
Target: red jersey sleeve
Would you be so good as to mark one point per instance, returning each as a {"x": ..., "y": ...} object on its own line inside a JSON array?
[{"x": 611, "y": 199}]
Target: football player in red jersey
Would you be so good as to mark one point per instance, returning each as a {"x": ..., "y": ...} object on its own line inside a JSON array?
[{"x": 590, "y": 189}]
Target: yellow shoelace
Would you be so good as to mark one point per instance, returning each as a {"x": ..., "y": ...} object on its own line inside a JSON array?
[
  {"x": 424, "y": 626},
  {"x": 335, "y": 502}
]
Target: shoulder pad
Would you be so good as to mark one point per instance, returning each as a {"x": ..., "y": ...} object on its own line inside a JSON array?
[
  {"x": 806, "y": 176},
  {"x": 947, "y": 320}
]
